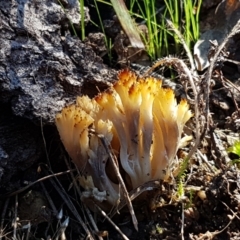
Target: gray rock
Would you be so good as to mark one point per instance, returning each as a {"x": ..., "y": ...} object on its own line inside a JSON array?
[{"x": 42, "y": 67}]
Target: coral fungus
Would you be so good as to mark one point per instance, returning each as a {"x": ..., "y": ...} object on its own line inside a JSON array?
[{"x": 142, "y": 124}]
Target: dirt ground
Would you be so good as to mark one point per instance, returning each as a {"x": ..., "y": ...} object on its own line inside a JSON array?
[{"x": 47, "y": 205}]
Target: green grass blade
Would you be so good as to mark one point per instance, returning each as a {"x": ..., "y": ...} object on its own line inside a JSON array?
[
  {"x": 127, "y": 23},
  {"x": 82, "y": 19}
]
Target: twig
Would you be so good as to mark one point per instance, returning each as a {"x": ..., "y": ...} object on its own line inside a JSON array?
[
  {"x": 44, "y": 143},
  {"x": 228, "y": 82},
  {"x": 15, "y": 218},
  {"x": 61, "y": 191},
  {"x": 231, "y": 210},
  {"x": 180, "y": 36},
  {"x": 182, "y": 226},
  {"x": 109, "y": 219},
  {"x": 28, "y": 227},
  {"x": 203, "y": 157},
  {"x": 4, "y": 210},
  {"x": 31, "y": 184},
  {"x": 208, "y": 77},
  {"x": 149, "y": 186},
  {"x": 50, "y": 201},
  {"x": 61, "y": 231},
  {"x": 121, "y": 182}
]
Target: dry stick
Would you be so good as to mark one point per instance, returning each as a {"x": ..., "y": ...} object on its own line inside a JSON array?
[
  {"x": 31, "y": 184},
  {"x": 61, "y": 231},
  {"x": 231, "y": 210},
  {"x": 226, "y": 84},
  {"x": 59, "y": 188},
  {"x": 15, "y": 218},
  {"x": 234, "y": 30},
  {"x": 44, "y": 143},
  {"x": 230, "y": 83},
  {"x": 121, "y": 182},
  {"x": 148, "y": 186},
  {"x": 232, "y": 61},
  {"x": 2, "y": 217},
  {"x": 204, "y": 158},
  {"x": 182, "y": 226},
  {"x": 180, "y": 36},
  {"x": 86, "y": 208},
  {"x": 182, "y": 68},
  {"x": 109, "y": 219},
  {"x": 28, "y": 230},
  {"x": 50, "y": 201}
]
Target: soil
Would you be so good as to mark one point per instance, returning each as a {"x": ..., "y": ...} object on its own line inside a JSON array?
[{"x": 43, "y": 67}]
